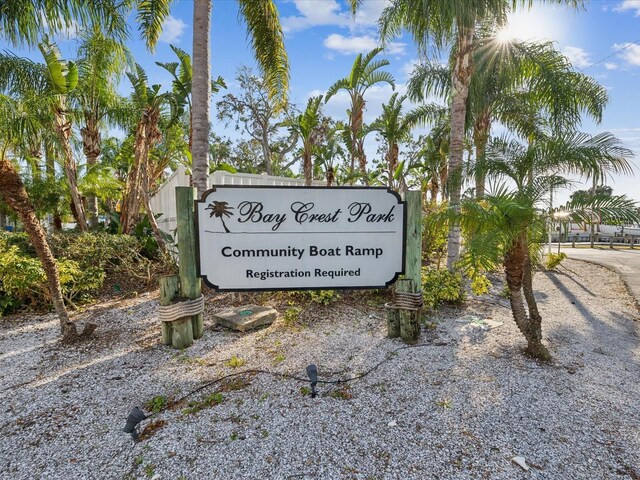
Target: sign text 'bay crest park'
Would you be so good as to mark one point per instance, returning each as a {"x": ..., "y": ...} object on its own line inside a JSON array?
[{"x": 279, "y": 238}]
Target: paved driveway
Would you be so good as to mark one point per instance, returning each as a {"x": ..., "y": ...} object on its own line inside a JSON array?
[{"x": 625, "y": 261}]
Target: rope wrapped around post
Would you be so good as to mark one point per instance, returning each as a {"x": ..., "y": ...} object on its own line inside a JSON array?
[
  {"x": 187, "y": 308},
  {"x": 406, "y": 301}
]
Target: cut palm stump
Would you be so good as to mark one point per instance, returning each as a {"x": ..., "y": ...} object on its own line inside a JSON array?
[{"x": 246, "y": 317}]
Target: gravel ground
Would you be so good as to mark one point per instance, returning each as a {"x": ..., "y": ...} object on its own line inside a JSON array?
[{"x": 459, "y": 406}]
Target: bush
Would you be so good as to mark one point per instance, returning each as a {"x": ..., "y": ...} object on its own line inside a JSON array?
[
  {"x": 553, "y": 260},
  {"x": 24, "y": 282},
  {"x": 441, "y": 286},
  {"x": 480, "y": 284},
  {"x": 85, "y": 261},
  {"x": 434, "y": 235}
]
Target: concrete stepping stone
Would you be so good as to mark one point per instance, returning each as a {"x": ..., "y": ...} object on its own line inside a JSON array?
[{"x": 246, "y": 317}]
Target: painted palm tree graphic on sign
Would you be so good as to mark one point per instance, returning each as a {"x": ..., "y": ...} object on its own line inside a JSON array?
[{"x": 220, "y": 210}]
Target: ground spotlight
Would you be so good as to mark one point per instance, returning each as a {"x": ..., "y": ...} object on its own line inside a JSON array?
[
  {"x": 134, "y": 418},
  {"x": 312, "y": 373}
]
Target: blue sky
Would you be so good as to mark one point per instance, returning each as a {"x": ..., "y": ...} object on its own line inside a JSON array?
[{"x": 322, "y": 39}]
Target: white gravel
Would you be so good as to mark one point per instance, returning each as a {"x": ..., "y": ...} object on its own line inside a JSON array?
[{"x": 461, "y": 407}]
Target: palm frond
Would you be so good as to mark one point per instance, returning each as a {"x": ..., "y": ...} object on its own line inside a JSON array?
[
  {"x": 267, "y": 39},
  {"x": 150, "y": 17}
]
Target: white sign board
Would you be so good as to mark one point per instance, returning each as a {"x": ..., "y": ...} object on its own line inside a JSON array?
[{"x": 279, "y": 238}]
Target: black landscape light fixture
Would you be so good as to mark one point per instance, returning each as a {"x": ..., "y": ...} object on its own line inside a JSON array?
[
  {"x": 134, "y": 418},
  {"x": 312, "y": 373}
]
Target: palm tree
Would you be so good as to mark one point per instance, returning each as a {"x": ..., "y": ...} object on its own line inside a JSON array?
[
  {"x": 267, "y": 41},
  {"x": 101, "y": 62},
  {"x": 328, "y": 153},
  {"x": 149, "y": 104},
  {"x": 365, "y": 73},
  {"x": 448, "y": 23},
  {"x": 182, "y": 73},
  {"x": 22, "y": 22},
  {"x": 63, "y": 78},
  {"x": 509, "y": 225},
  {"x": 308, "y": 127},
  {"x": 14, "y": 194}
]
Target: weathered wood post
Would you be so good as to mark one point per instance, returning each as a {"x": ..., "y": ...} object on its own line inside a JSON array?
[
  {"x": 405, "y": 322},
  {"x": 190, "y": 286},
  {"x": 169, "y": 286},
  {"x": 410, "y": 319}
]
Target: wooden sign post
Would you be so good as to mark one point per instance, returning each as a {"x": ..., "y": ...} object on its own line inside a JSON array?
[
  {"x": 403, "y": 318},
  {"x": 180, "y": 332}
]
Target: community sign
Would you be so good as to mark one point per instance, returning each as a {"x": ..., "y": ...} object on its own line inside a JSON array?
[{"x": 296, "y": 238}]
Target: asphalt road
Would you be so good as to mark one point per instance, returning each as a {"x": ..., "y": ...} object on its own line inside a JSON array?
[{"x": 624, "y": 261}]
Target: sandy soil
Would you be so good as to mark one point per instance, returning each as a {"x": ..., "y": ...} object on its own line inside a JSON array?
[{"x": 460, "y": 405}]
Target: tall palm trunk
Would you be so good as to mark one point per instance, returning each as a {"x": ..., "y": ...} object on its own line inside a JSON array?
[
  {"x": 91, "y": 147},
  {"x": 50, "y": 166},
  {"x": 130, "y": 214},
  {"x": 330, "y": 176},
  {"x": 201, "y": 90},
  {"x": 480, "y": 139},
  {"x": 63, "y": 130},
  {"x": 529, "y": 324},
  {"x": 14, "y": 194},
  {"x": 461, "y": 78},
  {"x": 146, "y": 195},
  {"x": 307, "y": 166}
]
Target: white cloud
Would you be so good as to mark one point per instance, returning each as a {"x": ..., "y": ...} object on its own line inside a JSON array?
[
  {"x": 577, "y": 56},
  {"x": 353, "y": 45},
  {"x": 610, "y": 66},
  {"x": 630, "y": 54},
  {"x": 172, "y": 30},
  {"x": 314, "y": 13},
  {"x": 349, "y": 45},
  {"x": 629, "y": 5},
  {"x": 408, "y": 67},
  {"x": 68, "y": 32}
]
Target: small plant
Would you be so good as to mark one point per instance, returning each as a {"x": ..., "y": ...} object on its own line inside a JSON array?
[
  {"x": 233, "y": 436},
  {"x": 553, "y": 260},
  {"x": 305, "y": 391},
  {"x": 264, "y": 397},
  {"x": 323, "y": 297},
  {"x": 210, "y": 401},
  {"x": 445, "y": 403},
  {"x": 149, "y": 470},
  {"x": 156, "y": 404},
  {"x": 279, "y": 358},
  {"x": 441, "y": 286},
  {"x": 505, "y": 292},
  {"x": 235, "y": 362},
  {"x": 292, "y": 316},
  {"x": 480, "y": 284},
  {"x": 264, "y": 434}
]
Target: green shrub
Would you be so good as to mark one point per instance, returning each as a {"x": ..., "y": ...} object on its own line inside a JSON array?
[
  {"x": 24, "y": 282},
  {"x": 553, "y": 260},
  {"x": 480, "y": 284},
  {"x": 441, "y": 286},
  {"x": 434, "y": 234},
  {"x": 85, "y": 261},
  {"x": 322, "y": 297}
]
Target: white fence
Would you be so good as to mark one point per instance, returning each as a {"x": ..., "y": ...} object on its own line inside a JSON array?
[{"x": 164, "y": 201}]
